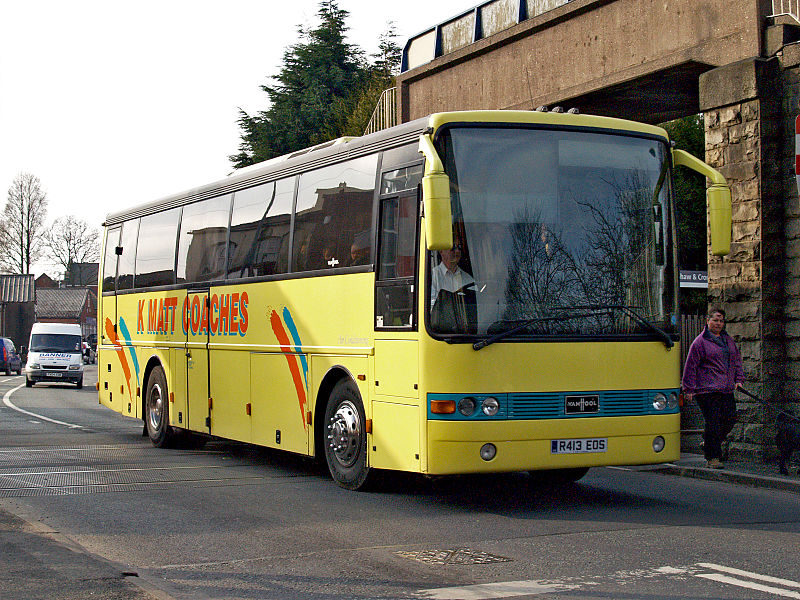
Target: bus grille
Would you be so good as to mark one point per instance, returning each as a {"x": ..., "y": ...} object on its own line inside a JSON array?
[{"x": 551, "y": 406}]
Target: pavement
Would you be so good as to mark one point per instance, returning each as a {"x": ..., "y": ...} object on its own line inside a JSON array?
[
  {"x": 741, "y": 470},
  {"x": 39, "y": 563}
]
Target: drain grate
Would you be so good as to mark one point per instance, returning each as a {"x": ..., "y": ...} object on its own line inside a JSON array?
[{"x": 457, "y": 556}]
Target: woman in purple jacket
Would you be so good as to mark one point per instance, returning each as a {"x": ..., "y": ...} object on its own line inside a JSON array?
[{"x": 712, "y": 372}]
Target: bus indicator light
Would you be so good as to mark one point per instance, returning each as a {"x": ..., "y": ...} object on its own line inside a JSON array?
[{"x": 443, "y": 407}]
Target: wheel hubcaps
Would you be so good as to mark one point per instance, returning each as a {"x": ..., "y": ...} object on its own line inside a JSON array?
[
  {"x": 155, "y": 407},
  {"x": 344, "y": 434}
]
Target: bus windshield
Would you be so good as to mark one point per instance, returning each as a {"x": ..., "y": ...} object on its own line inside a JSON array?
[{"x": 565, "y": 232}]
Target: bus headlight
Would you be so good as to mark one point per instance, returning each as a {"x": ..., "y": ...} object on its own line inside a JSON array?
[
  {"x": 490, "y": 406},
  {"x": 660, "y": 401},
  {"x": 672, "y": 401},
  {"x": 658, "y": 443},
  {"x": 466, "y": 406}
]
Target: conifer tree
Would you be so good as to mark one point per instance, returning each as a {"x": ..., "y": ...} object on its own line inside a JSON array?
[{"x": 320, "y": 74}]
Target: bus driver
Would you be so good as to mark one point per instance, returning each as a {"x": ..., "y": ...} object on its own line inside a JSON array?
[
  {"x": 448, "y": 275},
  {"x": 453, "y": 308}
]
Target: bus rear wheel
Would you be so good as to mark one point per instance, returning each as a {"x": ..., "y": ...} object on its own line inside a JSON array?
[
  {"x": 157, "y": 409},
  {"x": 345, "y": 437}
]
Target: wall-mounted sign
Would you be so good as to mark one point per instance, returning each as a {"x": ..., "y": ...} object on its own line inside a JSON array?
[
  {"x": 694, "y": 279},
  {"x": 797, "y": 152}
]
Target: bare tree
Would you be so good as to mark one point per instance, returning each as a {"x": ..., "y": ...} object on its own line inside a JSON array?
[
  {"x": 70, "y": 241},
  {"x": 24, "y": 216}
]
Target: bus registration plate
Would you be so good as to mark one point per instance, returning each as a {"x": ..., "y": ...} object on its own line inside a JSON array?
[{"x": 578, "y": 445}]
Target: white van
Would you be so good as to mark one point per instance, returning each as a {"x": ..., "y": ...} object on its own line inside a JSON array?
[{"x": 55, "y": 354}]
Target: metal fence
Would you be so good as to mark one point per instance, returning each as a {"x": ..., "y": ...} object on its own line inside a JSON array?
[
  {"x": 790, "y": 8},
  {"x": 385, "y": 113},
  {"x": 691, "y": 326},
  {"x": 691, "y": 419}
]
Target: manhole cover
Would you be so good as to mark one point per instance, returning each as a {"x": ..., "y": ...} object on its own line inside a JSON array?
[{"x": 457, "y": 556}]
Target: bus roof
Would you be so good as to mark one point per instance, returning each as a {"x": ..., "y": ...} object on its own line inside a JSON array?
[{"x": 340, "y": 149}]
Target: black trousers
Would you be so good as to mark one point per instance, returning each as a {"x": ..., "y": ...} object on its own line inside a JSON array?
[{"x": 719, "y": 413}]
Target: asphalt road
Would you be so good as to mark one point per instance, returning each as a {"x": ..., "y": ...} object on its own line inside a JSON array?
[{"x": 89, "y": 508}]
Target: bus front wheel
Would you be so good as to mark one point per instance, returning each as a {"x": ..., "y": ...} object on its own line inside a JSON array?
[
  {"x": 157, "y": 409},
  {"x": 345, "y": 437}
]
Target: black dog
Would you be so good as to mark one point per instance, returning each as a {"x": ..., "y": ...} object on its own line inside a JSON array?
[{"x": 787, "y": 440}]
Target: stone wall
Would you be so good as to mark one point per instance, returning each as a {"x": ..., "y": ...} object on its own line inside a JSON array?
[
  {"x": 744, "y": 136},
  {"x": 789, "y": 57}
]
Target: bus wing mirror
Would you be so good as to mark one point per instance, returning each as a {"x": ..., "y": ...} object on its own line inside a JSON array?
[
  {"x": 718, "y": 198},
  {"x": 435, "y": 198},
  {"x": 719, "y": 208}
]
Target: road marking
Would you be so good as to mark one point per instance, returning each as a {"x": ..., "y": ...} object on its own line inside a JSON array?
[
  {"x": 487, "y": 591},
  {"x": 511, "y": 589},
  {"x": 750, "y": 574},
  {"x": 9, "y": 404},
  {"x": 750, "y": 585}
]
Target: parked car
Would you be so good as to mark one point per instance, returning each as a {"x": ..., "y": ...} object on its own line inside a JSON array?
[{"x": 10, "y": 360}]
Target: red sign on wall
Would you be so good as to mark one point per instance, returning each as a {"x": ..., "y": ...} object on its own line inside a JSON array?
[{"x": 797, "y": 152}]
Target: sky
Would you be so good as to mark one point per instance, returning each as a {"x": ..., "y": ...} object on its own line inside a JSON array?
[{"x": 113, "y": 104}]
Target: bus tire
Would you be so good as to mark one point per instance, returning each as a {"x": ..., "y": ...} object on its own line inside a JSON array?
[
  {"x": 157, "y": 409},
  {"x": 345, "y": 436}
]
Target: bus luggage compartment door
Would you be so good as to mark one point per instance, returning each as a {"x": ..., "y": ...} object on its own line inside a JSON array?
[
  {"x": 279, "y": 395},
  {"x": 196, "y": 320}
]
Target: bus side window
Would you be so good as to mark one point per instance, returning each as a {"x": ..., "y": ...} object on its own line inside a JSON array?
[
  {"x": 110, "y": 260},
  {"x": 333, "y": 217},
  {"x": 127, "y": 260},
  {"x": 259, "y": 232},
  {"x": 155, "y": 250},
  {"x": 394, "y": 289},
  {"x": 203, "y": 235}
]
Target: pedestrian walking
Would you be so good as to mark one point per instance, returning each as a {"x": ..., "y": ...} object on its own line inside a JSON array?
[{"x": 712, "y": 372}]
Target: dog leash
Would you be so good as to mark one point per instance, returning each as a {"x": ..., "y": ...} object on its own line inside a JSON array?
[{"x": 754, "y": 397}]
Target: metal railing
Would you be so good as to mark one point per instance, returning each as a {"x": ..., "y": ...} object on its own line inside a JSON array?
[
  {"x": 786, "y": 8},
  {"x": 385, "y": 113}
]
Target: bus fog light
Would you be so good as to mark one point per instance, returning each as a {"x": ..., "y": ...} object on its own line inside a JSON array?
[
  {"x": 658, "y": 443},
  {"x": 490, "y": 406},
  {"x": 672, "y": 402},
  {"x": 659, "y": 401},
  {"x": 466, "y": 406},
  {"x": 488, "y": 451}
]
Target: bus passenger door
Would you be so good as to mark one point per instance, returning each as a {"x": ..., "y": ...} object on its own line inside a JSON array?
[{"x": 195, "y": 319}]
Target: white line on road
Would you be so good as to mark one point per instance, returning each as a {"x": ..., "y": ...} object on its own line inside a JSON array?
[
  {"x": 486, "y": 591},
  {"x": 750, "y": 574},
  {"x": 9, "y": 404},
  {"x": 750, "y": 585}
]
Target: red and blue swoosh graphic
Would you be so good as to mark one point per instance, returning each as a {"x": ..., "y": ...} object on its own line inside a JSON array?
[
  {"x": 120, "y": 349},
  {"x": 292, "y": 350}
]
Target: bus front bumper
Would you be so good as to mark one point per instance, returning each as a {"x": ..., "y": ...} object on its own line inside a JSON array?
[{"x": 460, "y": 447}]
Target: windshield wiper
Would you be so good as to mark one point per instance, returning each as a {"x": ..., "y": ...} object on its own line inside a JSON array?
[
  {"x": 528, "y": 322},
  {"x": 644, "y": 323},
  {"x": 594, "y": 311},
  {"x": 651, "y": 327}
]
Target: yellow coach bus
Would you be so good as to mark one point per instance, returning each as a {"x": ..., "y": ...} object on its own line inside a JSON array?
[{"x": 469, "y": 292}]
